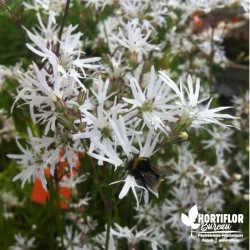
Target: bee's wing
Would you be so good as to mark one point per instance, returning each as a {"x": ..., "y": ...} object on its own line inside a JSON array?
[
  {"x": 151, "y": 180},
  {"x": 161, "y": 171}
]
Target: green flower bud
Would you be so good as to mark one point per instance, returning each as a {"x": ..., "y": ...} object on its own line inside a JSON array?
[
  {"x": 81, "y": 126},
  {"x": 61, "y": 105},
  {"x": 75, "y": 109},
  {"x": 64, "y": 121},
  {"x": 183, "y": 136},
  {"x": 81, "y": 97}
]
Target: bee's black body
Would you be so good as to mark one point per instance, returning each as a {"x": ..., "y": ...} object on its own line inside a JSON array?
[{"x": 142, "y": 170}]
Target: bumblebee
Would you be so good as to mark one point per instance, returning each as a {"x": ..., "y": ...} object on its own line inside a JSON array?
[{"x": 142, "y": 169}]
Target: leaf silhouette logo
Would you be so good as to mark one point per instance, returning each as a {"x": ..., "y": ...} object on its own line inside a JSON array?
[{"x": 190, "y": 219}]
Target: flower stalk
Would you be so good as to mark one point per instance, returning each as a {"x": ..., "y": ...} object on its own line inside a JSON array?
[{"x": 62, "y": 25}]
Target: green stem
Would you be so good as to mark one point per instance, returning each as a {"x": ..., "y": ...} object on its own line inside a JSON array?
[
  {"x": 109, "y": 216},
  {"x": 62, "y": 25},
  {"x": 107, "y": 204},
  {"x": 211, "y": 62},
  {"x": 93, "y": 166}
]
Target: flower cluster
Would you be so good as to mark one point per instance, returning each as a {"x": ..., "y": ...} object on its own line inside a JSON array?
[
  {"x": 124, "y": 115},
  {"x": 155, "y": 111}
]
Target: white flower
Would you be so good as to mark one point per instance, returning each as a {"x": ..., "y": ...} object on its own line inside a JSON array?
[
  {"x": 5, "y": 72},
  {"x": 107, "y": 132},
  {"x": 240, "y": 158},
  {"x": 155, "y": 217},
  {"x": 183, "y": 174},
  {"x": 214, "y": 202},
  {"x": 105, "y": 29},
  {"x": 72, "y": 181},
  {"x": 22, "y": 242},
  {"x": 100, "y": 239},
  {"x": 31, "y": 161},
  {"x": 172, "y": 207},
  {"x": 81, "y": 202},
  {"x": 132, "y": 38},
  {"x": 102, "y": 90},
  {"x": 220, "y": 141},
  {"x": 241, "y": 104},
  {"x": 191, "y": 110},
  {"x": 237, "y": 187},
  {"x": 210, "y": 176},
  {"x": 132, "y": 235},
  {"x": 116, "y": 69},
  {"x": 130, "y": 182},
  {"x": 150, "y": 13},
  {"x": 71, "y": 240},
  {"x": 40, "y": 90},
  {"x": 209, "y": 41},
  {"x": 153, "y": 103},
  {"x": 44, "y": 152},
  {"x": 7, "y": 130},
  {"x": 98, "y": 4},
  {"x": 47, "y": 6},
  {"x": 69, "y": 62},
  {"x": 147, "y": 213},
  {"x": 47, "y": 32},
  {"x": 9, "y": 201}
]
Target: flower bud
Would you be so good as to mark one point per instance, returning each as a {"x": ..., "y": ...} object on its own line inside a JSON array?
[
  {"x": 64, "y": 121},
  {"x": 133, "y": 58},
  {"x": 237, "y": 177},
  {"x": 75, "y": 109},
  {"x": 61, "y": 105},
  {"x": 81, "y": 97},
  {"x": 183, "y": 136},
  {"x": 31, "y": 67}
]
